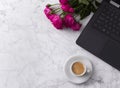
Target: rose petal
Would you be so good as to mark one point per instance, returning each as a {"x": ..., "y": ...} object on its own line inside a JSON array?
[
  {"x": 57, "y": 22},
  {"x": 76, "y": 27},
  {"x": 63, "y": 1},
  {"x": 69, "y": 20}
]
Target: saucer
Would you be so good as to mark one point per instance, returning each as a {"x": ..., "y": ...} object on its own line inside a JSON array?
[{"x": 77, "y": 79}]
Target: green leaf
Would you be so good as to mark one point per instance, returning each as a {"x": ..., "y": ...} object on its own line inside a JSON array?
[
  {"x": 73, "y": 3},
  {"x": 78, "y": 8},
  {"x": 92, "y": 7},
  {"x": 85, "y": 7},
  {"x": 90, "y": 0},
  {"x": 97, "y": 3},
  {"x": 85, "y": 12},
  {"x": 84, "y": 2}
]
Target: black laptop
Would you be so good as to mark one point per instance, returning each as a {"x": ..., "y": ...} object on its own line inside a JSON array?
[{"x": 101, "y": 36}]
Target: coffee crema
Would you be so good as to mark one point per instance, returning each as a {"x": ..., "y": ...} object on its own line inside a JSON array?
[{"x": 78, "y": 68}]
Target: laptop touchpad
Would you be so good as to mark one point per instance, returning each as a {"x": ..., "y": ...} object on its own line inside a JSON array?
[
  {"x": 111, "y": 53},
  {"x": 92, "y": 40}
]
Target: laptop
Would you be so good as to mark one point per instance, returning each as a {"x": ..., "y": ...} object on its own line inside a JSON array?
[{"x": 101, "y": 36}]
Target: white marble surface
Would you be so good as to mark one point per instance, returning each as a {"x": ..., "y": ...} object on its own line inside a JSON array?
[{"x": 33, "y": 52}]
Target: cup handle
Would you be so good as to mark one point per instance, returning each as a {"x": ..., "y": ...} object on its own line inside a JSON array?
[{"x": 88, "y": 70}]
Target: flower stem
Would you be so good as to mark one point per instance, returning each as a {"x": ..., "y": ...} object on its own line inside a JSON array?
[
  {"x": 56, "y": 10},
  {"x": 55, "y": 4},
  {"x": 63, "y": 14}
]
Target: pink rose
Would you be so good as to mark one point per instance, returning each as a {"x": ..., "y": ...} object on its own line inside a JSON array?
[
  {"x": 67, "y": 8},
  {"x": 47, "y": 11},
  {"x": 51, "y": 17},
  {"x": 69, "y": 20},
  {"x": 71, "y": 10},
  {"x": 76, "y": 27},
  {"x": 48, "y": 5},
  {"x": 57, "y": 21},
  {"x": 63, "y": 1}
]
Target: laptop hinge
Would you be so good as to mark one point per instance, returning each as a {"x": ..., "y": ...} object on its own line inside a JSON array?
[{"x": 115, "y": 4}]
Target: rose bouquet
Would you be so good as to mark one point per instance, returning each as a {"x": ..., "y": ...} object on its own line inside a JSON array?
[{"x": 64, "y": 14}]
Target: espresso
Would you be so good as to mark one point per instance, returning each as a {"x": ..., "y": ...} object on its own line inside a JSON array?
[{"x": 78, "y": 68}]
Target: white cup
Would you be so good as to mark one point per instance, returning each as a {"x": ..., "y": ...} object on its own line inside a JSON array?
[{"x": 84, "y": 72}]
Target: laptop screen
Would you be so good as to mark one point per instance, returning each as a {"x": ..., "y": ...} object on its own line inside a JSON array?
[{"x": 117, "y": 1}]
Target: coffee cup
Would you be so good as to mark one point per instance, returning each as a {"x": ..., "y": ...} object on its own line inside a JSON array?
[{"x": 79, "y": 68}]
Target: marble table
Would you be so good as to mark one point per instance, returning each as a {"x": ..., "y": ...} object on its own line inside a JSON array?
[{"x": 33, "y": 52}]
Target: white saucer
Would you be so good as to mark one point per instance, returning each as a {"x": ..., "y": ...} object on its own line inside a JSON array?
[{"x": 77, "y": 79}]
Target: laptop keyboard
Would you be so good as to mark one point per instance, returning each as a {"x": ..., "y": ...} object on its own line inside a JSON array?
[{"x": 108, "y": 22}]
